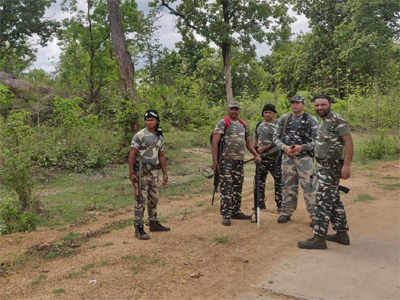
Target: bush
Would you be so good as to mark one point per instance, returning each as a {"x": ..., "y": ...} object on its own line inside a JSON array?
[
  {"x": 15, "y": 156},
  {"x": 14, "y": 220},
  {"x": 379, "y": 147}
]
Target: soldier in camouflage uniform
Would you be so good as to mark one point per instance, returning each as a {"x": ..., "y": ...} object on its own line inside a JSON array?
[
  {"x": 230, "y": 168},
  {"x": 270, "y": 155},
  {"x": 333, "y": 153},
  {"x": 295, "y": 135},
  {"x": 145, "y": 159}
]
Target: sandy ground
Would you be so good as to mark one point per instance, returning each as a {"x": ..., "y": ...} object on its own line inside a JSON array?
[{"x": 201, "y": 259}]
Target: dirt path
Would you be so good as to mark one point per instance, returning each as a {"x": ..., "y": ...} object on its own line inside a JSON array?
[{"x": 201, "y": 259}]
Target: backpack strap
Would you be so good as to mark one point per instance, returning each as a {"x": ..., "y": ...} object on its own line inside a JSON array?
[{"x": 227, "y": 121}]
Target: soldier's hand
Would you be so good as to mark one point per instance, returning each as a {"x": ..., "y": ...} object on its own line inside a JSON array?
[
  {"x": 346, "y": 172},
  {"x": 133, "y": 179},
  {"x": 288, "y": 150},
  {"x": 165, "y": 179},
  {"x": 215, "y": 166},
  {"x": 297, "y": 149},
  {"x": 257, "y": 159}
]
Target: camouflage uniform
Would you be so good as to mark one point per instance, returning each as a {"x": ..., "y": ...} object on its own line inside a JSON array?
[
  {"x": 231, "y": 166},
  {"x": 329, "y": 155},
  {"x": 301, "y": 130},
  {"x": 271, "y": 161},
  {"x": 148, "y": 145}
]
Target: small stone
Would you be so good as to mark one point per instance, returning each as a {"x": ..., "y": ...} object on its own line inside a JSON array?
[
  {"x": 270, "y": 282},
  {"x": 196, "y": 275}
]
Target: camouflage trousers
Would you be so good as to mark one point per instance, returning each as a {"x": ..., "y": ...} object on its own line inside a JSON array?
[
  {"x": 272, "y": 166},
  {"x": 231, "y": 178},
  {"x": 148, "y": 194},
  {"x": 328, "y": 205},
  {"x": 294, "y": 170}
]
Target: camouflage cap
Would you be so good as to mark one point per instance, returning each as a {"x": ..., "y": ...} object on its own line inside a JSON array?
[
  {"x": 296, "y": 99},
  {"x": 234, "y": 104}
]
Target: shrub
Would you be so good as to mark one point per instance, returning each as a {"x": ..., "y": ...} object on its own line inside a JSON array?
[
  {"x": 379, "y": 147},
  {"x": 15, "y": 156},
  {"x": 14, "y": 220}
]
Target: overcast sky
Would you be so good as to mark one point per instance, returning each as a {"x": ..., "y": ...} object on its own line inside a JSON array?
[{"x": 47, "y": 57}]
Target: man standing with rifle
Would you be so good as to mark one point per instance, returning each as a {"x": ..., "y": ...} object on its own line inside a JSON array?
[
  {"x": 145, "y": 159},
  {"x": 271, "y": 158},
  {"x": 333, "y": 153},
  {"x": 235, "y": 135}
]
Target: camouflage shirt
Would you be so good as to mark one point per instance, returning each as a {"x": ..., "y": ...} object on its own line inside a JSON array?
[
  {"x": 264, "y": 134},
  {"x": 234, "y": 139},
  {"x": 330, "y": 143},
  {"x": 300, "y": 130},
  {"x": 148, "y": 145}
]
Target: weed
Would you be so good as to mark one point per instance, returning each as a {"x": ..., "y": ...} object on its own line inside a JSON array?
[
  {"x": 73, "y": 274},
  {"x": 58, "y": 291},
  {"x": 108, "y": 244},
  {"x": 390, "y": 186},
  {"x": 221, "y": 240},
  {"x": 39, "y": 279},
  {"x": 88, "y": 267},
  {"x": 153, "y": 261},
  {"x": 364, "y": 197}
]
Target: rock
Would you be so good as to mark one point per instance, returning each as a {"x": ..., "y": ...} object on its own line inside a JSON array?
[{"x": 196, "y": 275}]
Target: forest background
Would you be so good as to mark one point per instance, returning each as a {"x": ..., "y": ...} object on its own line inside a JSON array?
[{"x": 81, "y": 117}]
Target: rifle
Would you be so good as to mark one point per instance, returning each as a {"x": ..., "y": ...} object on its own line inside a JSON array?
[
  {"x": 138, "y": 182},
  {"x": 256, "y": 214},
  {"x": 344, "y": 189}
]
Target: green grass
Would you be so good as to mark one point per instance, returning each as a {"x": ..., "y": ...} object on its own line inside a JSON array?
[
  {"x": 58, "y": 291},
  {"x": 39, "y": 279},
  {"x": 222, "y": 240},
  {"x": 70, "y": 198},
  {"x": 390, "y": 186},
  {"x": 364, "y": 197},
  {"x": 88, "y": 267}
]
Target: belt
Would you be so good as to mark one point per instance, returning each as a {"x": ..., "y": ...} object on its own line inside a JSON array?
[{"x": 329, "y": 162}]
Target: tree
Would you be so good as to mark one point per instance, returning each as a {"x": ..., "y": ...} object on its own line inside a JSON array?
[
  {"x": 230, "y": 23},
  {"x": 20, "y": 21},
  {"x": 125, "y": 65},
  {"x": 85, "y": 66}
]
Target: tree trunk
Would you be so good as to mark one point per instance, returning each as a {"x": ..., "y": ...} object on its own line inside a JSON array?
[
  {"x": 125, "y": 65},
  {"x": 226, "y": 51}
]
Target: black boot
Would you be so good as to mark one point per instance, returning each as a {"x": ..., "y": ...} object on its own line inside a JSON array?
[
  {"x": 156, "y": 226},
  {"x": 317, "y": 242},
  {"x": 340, "y": 237},
  {"x": 226, "y": 221},
  {"x": 262, "y": 205},
  {"x": 140, "y": 233},
  {"x": 241, "y": 216},
  {"x": 283, "y": 219}
]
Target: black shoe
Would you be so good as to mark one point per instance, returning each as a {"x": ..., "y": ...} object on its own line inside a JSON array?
[
  {"x": 262, "y": 205},
  {"x": 340, "y": 237},
  {"x": 226, "y": 221},
  {"x": 156, "y": 226},
  {"x": 283, "y": 219},
  {"x": 240, "y": 216},
  {"x": 316, "y": 242},
  {"x": 140, "y": 233}
]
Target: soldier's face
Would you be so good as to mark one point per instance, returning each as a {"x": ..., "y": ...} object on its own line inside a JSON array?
[
  {"x": 233, "y": 113},
  {"x": 297, "y": 107},
  {"x": 322, "y": 107},
  {"x": 269, "y": 115},
  {"x": 151, "y": 123}
]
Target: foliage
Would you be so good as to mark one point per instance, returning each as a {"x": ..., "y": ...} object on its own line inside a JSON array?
[
  {"x": 20, "y": 20},
  {"x": 6, "y": 100},
  {"x": 15, "y": 157},
  {"x": 380, "y": 146},
  {"x": 12, "y": 219}
]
